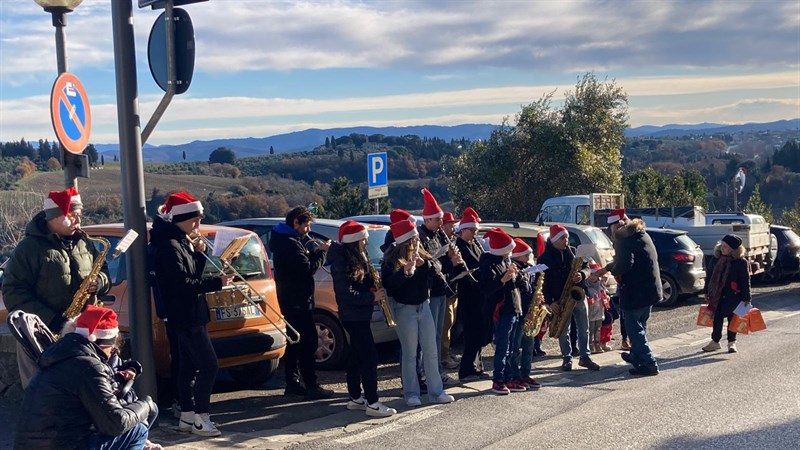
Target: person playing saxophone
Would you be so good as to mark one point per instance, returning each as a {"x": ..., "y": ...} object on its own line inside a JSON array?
[
  {"x": 357, "y": 289},
  {"x": 49, "y": 265},
  {"x": 522, "y": 344},
  {"x": 558, "y": 257}
]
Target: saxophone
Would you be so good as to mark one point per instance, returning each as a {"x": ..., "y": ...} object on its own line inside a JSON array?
[
  {"x": 82, "y": 296},
  {"x": 385, "y": 308},
  {"x": 537, "y": 312},
  {"x": 570, "y": 296}
]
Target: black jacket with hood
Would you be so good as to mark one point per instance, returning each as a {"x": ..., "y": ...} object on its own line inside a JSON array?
[
  {"x": 559, "y": 264},
  {"x": 636, "y": 266},
  {"x": 73, "y": 390},
  {"x": 179, "y": 274},
  {"x": 736, "y": 286},
  {"x": 355, "y": 298},
  {"x": 294, "y": 267},
  {"x": 497, "y": 294}
]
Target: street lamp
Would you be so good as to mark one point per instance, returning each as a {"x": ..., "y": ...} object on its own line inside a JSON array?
[{"x": 58, "y": 9}]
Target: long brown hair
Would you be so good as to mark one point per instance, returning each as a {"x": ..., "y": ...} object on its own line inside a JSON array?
[
  {"x": 357, "y": 261},
  {"x": 399, "y": 254}
]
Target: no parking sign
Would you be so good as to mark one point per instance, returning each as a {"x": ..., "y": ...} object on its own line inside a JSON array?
[{"x": 70, "y": 113}]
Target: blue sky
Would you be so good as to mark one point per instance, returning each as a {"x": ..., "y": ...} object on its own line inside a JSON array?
[{"x": 270, "y": 67}]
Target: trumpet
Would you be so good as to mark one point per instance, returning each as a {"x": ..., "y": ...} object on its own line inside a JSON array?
[{"x": 196, "y": 236}]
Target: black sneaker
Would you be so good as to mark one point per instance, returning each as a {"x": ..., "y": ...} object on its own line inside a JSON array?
[
  {"x": 575, "y": 351},
  {"x": 294, "y": 388},
  {"x": 566, "y": 366},
  {"x": 318, "y": 393},
  {"x": 627, "y": 358},
  {"x": 644, "y": 371},
  {"x": 588, "y": 363}
]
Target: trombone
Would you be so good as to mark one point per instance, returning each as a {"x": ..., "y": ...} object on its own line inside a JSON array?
[{"x": 194, "y": 235}]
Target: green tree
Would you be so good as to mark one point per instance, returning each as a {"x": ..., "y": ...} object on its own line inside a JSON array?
[
  {"x": 184, "y": 155},
  {"x": 344, "y": 200},
  {"x": 271, "y": 150},
  {"x": 791, "y": 217},
  {"x": 91, "y": 152},
  {"x": 571, "y": 150},
  {"x": 222, "y": 155},
  {"x": 327, "y": 142},
  {"x": 757, "y": 206}
]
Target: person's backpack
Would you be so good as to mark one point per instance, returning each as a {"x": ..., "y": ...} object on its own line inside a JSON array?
[
  {"x": 158, "y": 299},
  {"x": 30, "y": 332}
]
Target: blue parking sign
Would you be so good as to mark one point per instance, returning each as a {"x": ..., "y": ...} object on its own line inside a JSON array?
[{"x": 377, "y": 170}]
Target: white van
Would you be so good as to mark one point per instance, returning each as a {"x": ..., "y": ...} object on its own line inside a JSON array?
[{"x": 580, "y": 209}]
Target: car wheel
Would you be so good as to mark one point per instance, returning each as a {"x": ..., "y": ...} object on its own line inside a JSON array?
[
  {"x": 774, "y": 273},
  {"x": 670, "y": 289},
  {"x": 332, "y": 346},
  {"x": 254, "y": 374}
]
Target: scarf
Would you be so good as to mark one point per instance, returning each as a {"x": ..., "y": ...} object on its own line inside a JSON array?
[{"x": 717, "y": 282}]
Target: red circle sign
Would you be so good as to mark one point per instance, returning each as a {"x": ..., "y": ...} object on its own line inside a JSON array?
[{"x": 70, "y": 113}]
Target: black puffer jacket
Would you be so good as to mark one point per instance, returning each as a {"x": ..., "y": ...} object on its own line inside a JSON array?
[
  {"x": 179, "y": 274},
  {"x": 636, "y": 267},
  {"x": 355, "y": 299},
  {"x": 495, "y": 292},
  {"x": 559, "y": 263},
  {"x": 295, "y": 267},
  {"x": 73, "y": 390}
]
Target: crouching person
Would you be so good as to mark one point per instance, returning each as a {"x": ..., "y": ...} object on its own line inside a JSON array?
[{"x": 71, "y": 402}]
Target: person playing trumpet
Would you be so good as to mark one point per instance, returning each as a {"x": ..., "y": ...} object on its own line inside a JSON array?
[
  {"x": 178, "y": 264},
  {"x": 357, "y": 290},
  {"x": 295, "y": 265}
]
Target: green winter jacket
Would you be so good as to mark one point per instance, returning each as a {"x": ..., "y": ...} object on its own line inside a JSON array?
[{"x": 38, "y": 278}]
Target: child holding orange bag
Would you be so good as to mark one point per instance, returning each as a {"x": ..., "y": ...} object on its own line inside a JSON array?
[{"x": 728, "y": 284}]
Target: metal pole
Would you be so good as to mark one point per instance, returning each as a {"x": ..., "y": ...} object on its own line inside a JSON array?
[
  {"x": 377, "y": 208},
  {"x": 130, "y": 147},
  {"x": 59, "y": 16}
]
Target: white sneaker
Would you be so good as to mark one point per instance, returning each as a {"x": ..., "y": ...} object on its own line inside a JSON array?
[
  {"x": 712, "y": 346},
  {"x": 448, "y": 381},
  {"x": 378, "y": 409},
  {"x": 442, "y": 398},
  {"x": 413, "y": 401},
  {"x": 186, "y": 421},
  {"x": 203, "y": 426},
  {"x": 359, "y": 404},
  {"x": 732, "y": 347}
]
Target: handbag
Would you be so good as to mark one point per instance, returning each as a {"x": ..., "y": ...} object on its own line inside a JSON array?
[
  {"x": 738, "y": 324},
  {"x": 755, "y": 321},
  {"x": 705, "y": 318}
]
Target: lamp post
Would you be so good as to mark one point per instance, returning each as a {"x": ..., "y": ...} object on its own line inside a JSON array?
[{"x": 58, "y": 9}]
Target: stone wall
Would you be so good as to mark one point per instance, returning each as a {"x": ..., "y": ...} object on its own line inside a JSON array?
[{"x": 10, "y": 388}]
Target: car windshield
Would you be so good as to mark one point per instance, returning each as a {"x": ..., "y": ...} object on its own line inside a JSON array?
[
  {"x": 251, "y": 262},
  {"x": 792, "y": 237},
  {"x": 599, "y": 238},
  {"x": 376, "y": 239},
  {"x": 685, "y": 241}
]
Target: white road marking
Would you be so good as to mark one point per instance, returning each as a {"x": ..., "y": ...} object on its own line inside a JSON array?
[{"x": 396, "y": 425}]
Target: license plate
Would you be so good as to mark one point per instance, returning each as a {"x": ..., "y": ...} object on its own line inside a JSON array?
[{"x": 236, "y": 312}]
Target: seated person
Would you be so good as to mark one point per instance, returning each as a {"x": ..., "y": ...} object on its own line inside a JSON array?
[{"x": 71, "y": 401}]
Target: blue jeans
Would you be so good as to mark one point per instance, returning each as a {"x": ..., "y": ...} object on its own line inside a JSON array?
[
  {"x": 504, "y": 329},
  {"x": 636, "y": 324},
  {"x": 415, "y": 328},
  {"x": 438, "y": 310},
  {"x": 521, "y": 354},
  {"x": 581, "y": 315},
  {"x": 132, "y": 439}
]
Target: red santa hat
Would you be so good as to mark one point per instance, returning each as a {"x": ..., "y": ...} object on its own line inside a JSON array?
[
  {"x": 557, "y": 231},
  {"x": 401, "y": 214},
  {"x": 616, "y": 216},
  {"x": 98, "y": 325},
  {"x": 403, "y": 231},
  {"x": 469, "y": 219},
  {"x": 61, "y": 203},
  {"x": 594, "y": 266},
  {"x": 431, "y": 209},
  {"x": 500, "y": 243},
  {"x": 448, "y": 218},
  {"x": 179, "y": 207},
  {"x": 520, "y": 248},
  {"x": 352, "y": 231}
]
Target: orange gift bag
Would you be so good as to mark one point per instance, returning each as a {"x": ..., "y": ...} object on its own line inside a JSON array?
[
  {"x": 738, "y": 324},
  {"x": 705, "y": 318},
  {"x": 755, "y": 321}
]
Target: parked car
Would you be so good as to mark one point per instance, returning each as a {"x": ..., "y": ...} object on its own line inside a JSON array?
[
  {"x": 787, "y": 261},
  {"x": 333, "y": 343},
  {"x": 681, "y": 263},
  {"x": 248, "y": 344},
  {"x": 378, "y": 219}
]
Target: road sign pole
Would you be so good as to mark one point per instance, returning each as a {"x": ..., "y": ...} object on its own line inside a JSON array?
[{"x": 130, "y": 146}]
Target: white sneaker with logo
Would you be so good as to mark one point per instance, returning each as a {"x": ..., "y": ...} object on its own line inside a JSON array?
[
  {"x": 442, "y": 398},
  {"x": 359, "y": 404},
  {"x": 203, "y": 426},
  {"x": 186, "y": 421},
  {"x": 378, "y": 409}
]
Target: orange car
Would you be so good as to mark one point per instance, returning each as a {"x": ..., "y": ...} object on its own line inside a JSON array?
[{"x": 244, "y": 340}]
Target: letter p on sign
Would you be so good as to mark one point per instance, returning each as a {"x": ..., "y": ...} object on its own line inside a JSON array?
[{"x": 377, "y": 168}]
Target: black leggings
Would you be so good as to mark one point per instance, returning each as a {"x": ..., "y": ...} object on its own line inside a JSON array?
[
  {"x": 302, "y": 355},
  {"x": 362, "y": 363},
  {"x": 197, "y": 362},
  {"x": 716, "y": 332}
]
